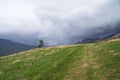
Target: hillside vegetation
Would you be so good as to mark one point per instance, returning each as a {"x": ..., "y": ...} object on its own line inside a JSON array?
[{"x": 98, "y": 61}]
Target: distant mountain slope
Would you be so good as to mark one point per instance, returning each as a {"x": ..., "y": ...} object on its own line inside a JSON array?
[
  {"x": 8, "y": 47},
  {"x": 98, "y": 61},
  {"x": 116, "y": 36},
  {"x": 103, "y": 34},
  {"x": 96, "y": 39}
]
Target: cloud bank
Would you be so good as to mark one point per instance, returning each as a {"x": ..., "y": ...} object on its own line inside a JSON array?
[{"x": 56, "y": 22}]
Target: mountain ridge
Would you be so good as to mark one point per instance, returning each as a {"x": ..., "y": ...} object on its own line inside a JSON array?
[
  {"x": 93, "y": 40},
  {"x": 8, "y": 47}
]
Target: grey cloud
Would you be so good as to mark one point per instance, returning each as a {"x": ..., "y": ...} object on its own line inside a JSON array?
[{"x": 57, "y": 21}]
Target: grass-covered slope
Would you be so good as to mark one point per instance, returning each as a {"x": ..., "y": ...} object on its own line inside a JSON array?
[{"x": 99, "y": 61}]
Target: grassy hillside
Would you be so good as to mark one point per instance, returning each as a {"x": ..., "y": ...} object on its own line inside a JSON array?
[{"x": 99, "y": 61}]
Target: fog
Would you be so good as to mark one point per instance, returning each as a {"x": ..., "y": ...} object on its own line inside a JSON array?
[{"x": 57, "y": 22}]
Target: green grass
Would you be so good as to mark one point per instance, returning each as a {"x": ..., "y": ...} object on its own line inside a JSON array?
[{"x": 98, "y": 61}]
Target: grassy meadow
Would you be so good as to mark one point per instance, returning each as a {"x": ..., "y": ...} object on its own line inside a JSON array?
[{"x": 97, "y": 61}]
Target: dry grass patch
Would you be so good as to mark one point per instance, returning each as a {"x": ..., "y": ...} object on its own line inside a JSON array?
[
  {"x": 1, "y": 72},
  {"x": 16, "y": 61},
  {"x": 82, "y": 66}
]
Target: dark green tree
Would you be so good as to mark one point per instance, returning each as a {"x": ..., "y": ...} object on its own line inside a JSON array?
[{"x": 40, "y": 43}]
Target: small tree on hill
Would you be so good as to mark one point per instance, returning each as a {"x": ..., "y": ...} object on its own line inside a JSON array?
[{"x": 40, "y": 44}]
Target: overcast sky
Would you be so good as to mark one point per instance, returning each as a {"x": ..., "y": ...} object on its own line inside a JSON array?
[{"x": 55, "y": 21}]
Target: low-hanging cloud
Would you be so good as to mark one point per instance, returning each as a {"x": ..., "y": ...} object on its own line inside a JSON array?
[{"x": 56, "y": 21}]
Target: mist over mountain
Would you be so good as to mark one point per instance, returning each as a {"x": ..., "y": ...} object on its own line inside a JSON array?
[
  {"x": 103, "y": 33},
  {"x": 9, "y": 47},
  {"x": 58, "y": 22}
]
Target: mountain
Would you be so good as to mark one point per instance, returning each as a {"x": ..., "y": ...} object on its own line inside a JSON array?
[
  {"x": 96, "y": 39},
  {"x": 100, "y": 34},
  {"x": 9, "y": 47},
  {"x": 97, "y": 61},
  {"x": 116, "y": 36}
]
